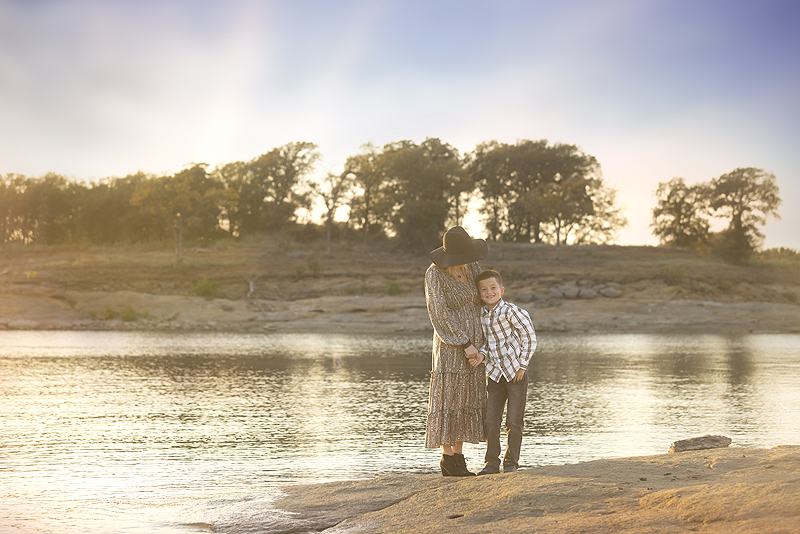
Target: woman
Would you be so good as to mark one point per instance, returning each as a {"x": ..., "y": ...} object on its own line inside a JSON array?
[{"x": 457, "y": 402}]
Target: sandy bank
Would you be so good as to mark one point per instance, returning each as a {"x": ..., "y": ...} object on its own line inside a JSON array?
[
  {"x": 711, "y": 491},
  {"x": 43, "y": 308}
]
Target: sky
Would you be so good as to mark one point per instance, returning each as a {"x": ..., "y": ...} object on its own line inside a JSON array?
[{"x": 654, "y": 89}]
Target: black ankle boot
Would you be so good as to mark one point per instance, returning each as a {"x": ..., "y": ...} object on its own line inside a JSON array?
[
  {"x": 462, "y": 462},
  {"x": 448, "y": 465},
  {"x": 451, "y": 467}
]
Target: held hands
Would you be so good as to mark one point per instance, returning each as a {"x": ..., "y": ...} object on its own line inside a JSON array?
[{"x": 475, "y": 358}]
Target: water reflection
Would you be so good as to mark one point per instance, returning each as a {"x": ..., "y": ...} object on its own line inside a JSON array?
[{"x": 99, "y": 425}]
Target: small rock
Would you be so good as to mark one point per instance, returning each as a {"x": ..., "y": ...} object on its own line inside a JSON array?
[
  {"x": 555, "y": 293},
  {"x": 701, "y": 443},
  {"x": 525, "y": 296},
  {"x": 227, "y": 307},
  {"x": 586, "y": 293},
  {"x": 570, "y": 292},
  {"x": 611, "y": 292},
  {"x": 23, "y": 324}
]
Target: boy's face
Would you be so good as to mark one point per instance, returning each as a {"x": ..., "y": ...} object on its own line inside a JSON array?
[{"x": 491, "y": 292}]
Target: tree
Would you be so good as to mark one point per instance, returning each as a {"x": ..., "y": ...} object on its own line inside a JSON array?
[
  {"x": 427, "y": 181},
  {"x": 605, "y": 221},
  {"x": 189, "y": 202},
  {"x": 333, "y": 191},
  {"x": 745, "y": 196},
  {"x": 10, "y": 185},
  {"x": 278, "y": 183},
  {"x": 507, "y": 177},
  {"x": 371, "y": 203},
  {"x": 533, "y": 191},
  {"x": 45, "y": 209},
  {"x": 679, "y": 218}
]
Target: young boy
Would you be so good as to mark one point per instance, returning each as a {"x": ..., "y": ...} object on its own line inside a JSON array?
[{"x": 510, "y": 343}]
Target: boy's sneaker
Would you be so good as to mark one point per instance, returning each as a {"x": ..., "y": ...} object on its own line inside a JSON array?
[
  {"x": 489, "y": 470},
  {"x": 510, "y": 468}
]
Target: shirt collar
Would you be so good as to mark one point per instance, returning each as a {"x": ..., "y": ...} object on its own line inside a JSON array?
[{"x": 487, "y": 311}]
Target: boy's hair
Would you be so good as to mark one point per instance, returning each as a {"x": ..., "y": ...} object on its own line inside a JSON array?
[{"x": 485, "y": 275}]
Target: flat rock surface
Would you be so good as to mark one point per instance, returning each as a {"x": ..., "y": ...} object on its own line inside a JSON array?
[
  {"x": 714, "y": 491},
  {"x": 41, "y": 308}
]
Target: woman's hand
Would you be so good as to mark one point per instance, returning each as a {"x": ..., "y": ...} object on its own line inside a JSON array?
[{"x": 475, "y": 358}]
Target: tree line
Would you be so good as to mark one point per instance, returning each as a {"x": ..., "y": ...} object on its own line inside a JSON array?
[
  {"x": 531, "y": 191},
  {"x": 405, "y": 192},
  {"x": 744, "y": 197}
]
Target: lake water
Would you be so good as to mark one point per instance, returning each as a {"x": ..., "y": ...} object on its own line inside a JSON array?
[{"x": 162, "y": 433}]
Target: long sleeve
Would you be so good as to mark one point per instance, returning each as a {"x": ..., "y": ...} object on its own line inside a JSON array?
[
  {"x": 510, "y": 340},
  {"x": 443, "y": 318},
  {"x": 521, "y": 322}
]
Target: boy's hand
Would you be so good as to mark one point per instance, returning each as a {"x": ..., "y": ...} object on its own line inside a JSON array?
[
  {"x": 519, "y": 376},
  {"x": 476, "y": 361},
  {"x": 475, "y": 358}
]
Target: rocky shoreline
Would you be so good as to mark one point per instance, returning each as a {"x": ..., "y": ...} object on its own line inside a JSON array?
[
  {"x": 649, "y": 310},
  {"x": 709, "y": 491}
]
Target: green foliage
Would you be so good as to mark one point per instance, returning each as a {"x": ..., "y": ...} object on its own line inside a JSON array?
[
  {"x": 108, "y": 313},
  {"x": 791, "y": 296},
  {"x": 726, "y": 286},
  {"x": 299, "y": 272},
  {"x": 680, "y": 217},
  {"x": 533, "y": 191},
  {"x": 780, "y": 254},
  {"x": 672, "y": 275},
  {"x": 206, "y": 288},
  {"x": 93, "y": 314},
  {"x": 354, "y": 289},
  {"x": 732, "y": 246},
  {"x": 425, "y": 184},
  {"x": 315, "y": 266},
  {"x": 127, "y": 314},
  {"x": 393, "y": 288},
  {"x": 746, "y": 196},
  {"x": 269, "y": 189}
]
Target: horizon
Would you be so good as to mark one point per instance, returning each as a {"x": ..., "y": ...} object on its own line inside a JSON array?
[{"x": 652, "y": 89}]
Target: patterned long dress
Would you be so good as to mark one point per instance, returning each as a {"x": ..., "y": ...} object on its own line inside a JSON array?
[{"x": 457, "y": 402}]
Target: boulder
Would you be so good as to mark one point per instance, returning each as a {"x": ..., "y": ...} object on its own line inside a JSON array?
[
  {"x": 611, "y": 292},
  {"x": 701, "y": 443},
  {"x": 524, "y": 296},
  {"x": 570, "y": 292},
  {"x": 586, "y": 293}
]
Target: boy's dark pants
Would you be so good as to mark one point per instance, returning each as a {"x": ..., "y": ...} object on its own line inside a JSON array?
[{"x": 500, "y": 392}]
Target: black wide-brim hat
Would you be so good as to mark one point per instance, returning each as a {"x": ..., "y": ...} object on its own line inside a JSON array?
[{"x": 459, "y": 248}]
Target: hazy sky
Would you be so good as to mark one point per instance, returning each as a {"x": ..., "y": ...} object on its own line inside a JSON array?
[{"x": 652, "y": 89}]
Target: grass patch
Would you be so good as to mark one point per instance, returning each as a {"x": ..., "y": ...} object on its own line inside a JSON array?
[
  {"x": 128, "y": 314},
  {"x": 672, "y": 275},
  {"x": 393, "y": 288},
  {"x": 206, "y": 288},
  {"x": 315, "y": 266}
]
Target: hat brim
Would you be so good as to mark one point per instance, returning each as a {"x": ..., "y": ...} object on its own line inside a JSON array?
[{"x": 442, "y": 259}]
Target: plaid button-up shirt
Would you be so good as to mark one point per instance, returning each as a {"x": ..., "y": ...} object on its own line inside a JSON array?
[{"x": 510, "y": 340}]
